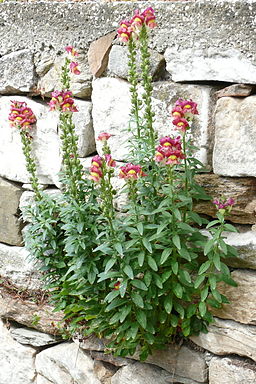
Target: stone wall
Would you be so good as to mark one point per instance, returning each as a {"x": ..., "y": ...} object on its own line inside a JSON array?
[{"x": 204, "y": 50}]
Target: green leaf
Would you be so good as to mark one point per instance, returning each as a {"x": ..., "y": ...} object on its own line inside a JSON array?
[
  {"x": 162, "y": 317},
  {"x": 230, "y": 228},
  {"x": 184, "y": 277},
  {"x": 139, "y": 284},
  {"x": 198, "y": 281},
  {"x": 124, "y": 312},
  {"x": 110, "y": 264},
  {"x": 128, "y": 271},
  {"x": 118, "y": 247},
  {"x": 152, "y": 263},
  {"x": 114, "y": 304},
  {"x": 195, "y": 217},
  {"x": 175, "y": 266},
  {"x": 186, "y": 227},
  {"x": 115, "y": 319},
  {"x": 209, "y": 245},
  {"x": 161, "y": 228},
  {"x": 178, "y": 290},
  {"x": 132, "y": 332},
  {"x": 202, "y": 308},
  {"x": 168, "y": 304},
  {"x": 141, "y": 318},
  {"x": 137, "y": 299},
  {"x": 216, "y": 261},
  {"x": 223, "y": 246},
  {"x": 158, "y": 281},
  {"x": 112, "y": 295},
  {"x": 141, "y": 257},
  {"x": 185, "y": 254},
  {"x": 212, "y": 223},
  {"x": 213, "y": 282},
  {"x": 191, "y": 310},
  {"x": 176, "y": 241},
  {"x": 147, "y": 244},
  {"x": 204, "y": 293},
  {"x": 216, "y": 295},
  {"x": 140, "y": 228},
  {"x": 122, "y": 288},
  {"x": 165, "y": 254},
  {"x": 228, "y": 280},
  {"x": 177, "y": 214},
  {"x": 165, "y": 276},
  {"x": 179, "y": 308},
  {"x": 174, "y": 321},
  {"x": 204, "y": 267},
  {"x": 148, "y": 278}
]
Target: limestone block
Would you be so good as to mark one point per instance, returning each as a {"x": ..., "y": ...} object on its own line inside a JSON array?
[
  {"x": 242, "y": 299},
  {"x": 17, "y": 268},
  {"x": 111, "y": 108},
  {"x": 104, "y": 372},
  {"x": 46, "y": 141},
  {"x": 118, "y": 62},
  {"x": 31, "y": 311},
  {"x": 98, "y": 54},
  {"x": 231, "y": 371},
  {"x": 80, "y": 85},
  {"x": 91, "y": 343},
  {"x": 17, "y": 72},
  {"x": 10, "y": 224},
  {"x": 234, "y": 150},
  {"x": 32, "y": 337},
  {"x": 236, "y": 90},
  {"x": 228, "y": 337},
  {"x": 66, "y": 363},
  {"x": 42, "y": 380},
  {"x": 242, "y": 189},
  {"x": 245, "y": 243},
  {"x": 17, "y": 361},
  {"x": 139, "y": 373}
]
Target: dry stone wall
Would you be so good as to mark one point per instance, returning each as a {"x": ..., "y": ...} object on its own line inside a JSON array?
[{"x": 204, "y": 50}]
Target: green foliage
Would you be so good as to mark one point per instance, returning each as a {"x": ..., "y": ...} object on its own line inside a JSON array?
[{"x": 140, "y": 278}]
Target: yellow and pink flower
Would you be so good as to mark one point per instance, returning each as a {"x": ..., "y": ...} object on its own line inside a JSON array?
[
  {"x": 169, "y": 152},
  {"x": 62, "y": 101},
  {"x": 73, "y": 66},
  {"x": 21, "y": 116},
  {"x": 131, "y": 171},
  {"x": 70, "y": 49}
]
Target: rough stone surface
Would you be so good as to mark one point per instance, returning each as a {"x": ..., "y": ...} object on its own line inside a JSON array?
[
  {"x": 66, "y": 363},
  {"x": 104, "y": 372},
  {"x": 30, "y": 312},
  {"x": 229, "y": 337},
  {"x": 80, "y": 84},
  {"x": 10, "y": 224},
  {"x": 113, "y": 108},
  {"x": 245, "y": 243},
  {"x": 17, "y": 72},
  {"x": 17, "y": 361},
  {"x": 32, "y": 337},
  {"x": 118, "y": 62},
  {"x": 231, "y": 371},
  {"x": 234, "y": 152},
  {"x": 236, "y": 90},
  {"x": 17, "y": 268},
  {"x": 91, "y": 343},
  {"x": 242, "y": 298},
  {"x": 46, "y": 141},
  {"x": 98, "y": 54},
  {"x": 242, "y": 189},
  {"x": 140, "y": 374},
  {"x": 42, "y": 380}
]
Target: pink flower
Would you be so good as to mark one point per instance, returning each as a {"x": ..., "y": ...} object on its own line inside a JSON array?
[
  {"x": 124, "y": 34},
  {"x": 131, "y": 171},
  {"x": 97, "y": 161},
  {"x": 95, "y": 174},
  {"x": 62, "y": 101},
  {"x": 70, "y": 49},
  {"x": 73, "y": 66},
  {"x": 177, "y": 111},
  {"x": 224, "y": 205},
  {"x": 181, "y": 124},
  {"x": 188, "y": 106},
  {"x": 169, "y": 152},
  {"x": 21, "y": 116},
  {"x": 138, "y": 19},
  {"x": 104, "y": 136},
  {"x": 109, "y": 161}
]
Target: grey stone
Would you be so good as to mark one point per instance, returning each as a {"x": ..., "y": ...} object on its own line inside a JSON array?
[
  {"x": 16, "y": 267},
  {"x": 242, "y": 298},
  {"x": 111, "y": 104},
  {"x": 104, "y": 372},
  {"x": 228, "y": 337},
  {"x": 17, "y": 72},
  {"x": 42, "y": 380},
  {"x": 10, "y": 224},
  {"x": 17, "y": 361},
  {"x": 32, "y": 337},
  {"x": 234, "y": 152},
  {"x": 66, "y": 363},
  {"x": 236, "y": 90},
  {"x": 245, "y": 243},
  {"x": 139, "y": 373},
  {"x": 231, "y": 371},
  {"x": 118, "y": 62},
  {"x": 98, "y": 54},
  {"x": 91, "y": 343}
]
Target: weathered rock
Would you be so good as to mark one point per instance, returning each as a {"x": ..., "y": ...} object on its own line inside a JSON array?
[
  {"x": 245, "y": 243},
  {"x": 46, "y": 141},
  {"x": 80, "y": 85},
  {"x": 231, "y": 371},
  {"x": 228, "y": 337},
  {"x": 242, "y": 298},
  {"x": 111, "y": 104},
  {"x": 17, "y": 361},
  {"x": 26, "y": 311},
  {"x": 118, "y": 62},
  {"x": 17, "y": 268},
  {"x": 104, "y": 372},
  {"x": 17, "y": 72},
  {"x": 91, "y": 343},
  {"x": 236, "y": 90},
  {"x": 110, "y": 359},
  {"x": 42, "y": 380},
  {"x": 98, "y": 54},
  {"x": 242, "y": 189},
  {"x": 66, "y": 363},
  {"x": 32, "y": 337},
  {"x": 10, "y": 224},
  {"x": 234, "y": 152},
  {"x": 140, "y": 374}
]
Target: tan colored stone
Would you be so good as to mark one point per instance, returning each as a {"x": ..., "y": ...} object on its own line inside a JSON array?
[
  {"x": 228, "y": 337},
  {"x": 242, "y": 189},
  {"x": 28, "y": 312},
  {"x": 231, "y": 371},
  {"x": 237, "y": 90},
  {"x": 10, "y": 225},
  {"x": 104, "y": 372},
  {"x": 98, "y": 54},
  {"x": 242, "y": 299}
]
